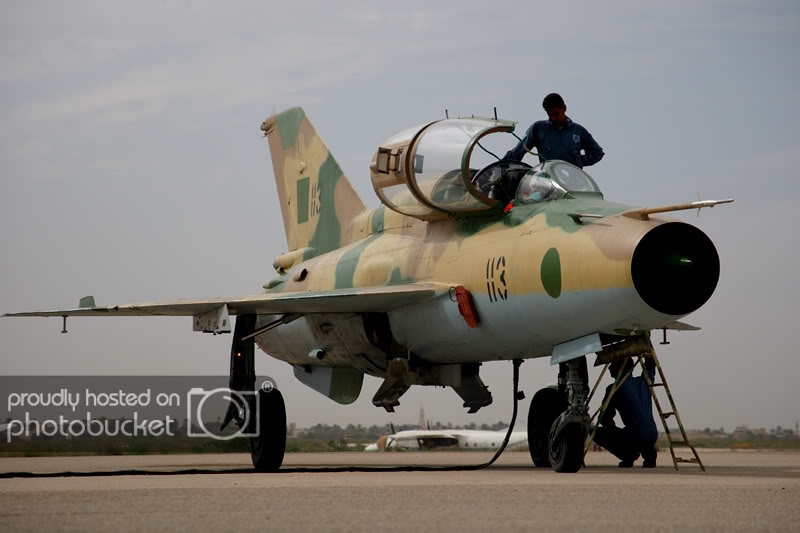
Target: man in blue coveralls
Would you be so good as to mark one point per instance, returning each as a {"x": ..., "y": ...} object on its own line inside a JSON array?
[
  {"x": 634, "y": 404},
  {"x": 558, "y": 138}
]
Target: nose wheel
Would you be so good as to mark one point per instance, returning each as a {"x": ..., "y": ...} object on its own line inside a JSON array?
[
  {"x": 566, "y": 449},
  {"x": 569, "y": 431},
  {"x": 546, "y": 405},
  {"x": 558, "y": 421}
]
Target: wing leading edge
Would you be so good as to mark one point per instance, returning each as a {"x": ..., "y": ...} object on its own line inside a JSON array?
[{"x": 370, "y": 299}]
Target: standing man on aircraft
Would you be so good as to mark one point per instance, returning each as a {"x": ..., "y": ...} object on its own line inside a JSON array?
[
  {"x": 558, "y": 138},
  {"x": 634, "y": 403}
]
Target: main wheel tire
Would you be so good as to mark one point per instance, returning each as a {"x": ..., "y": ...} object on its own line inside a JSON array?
[
  {"x": 267, "y": 449},
  {"x": 566, "y": 452},
  {"x": 546, "y": 405}
]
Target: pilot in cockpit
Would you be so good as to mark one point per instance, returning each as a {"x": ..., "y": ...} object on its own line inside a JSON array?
[
  {"x": 535, "y": 186},
  {"x": 500, "y": 182},
  {"x": 492, "y": 184}
]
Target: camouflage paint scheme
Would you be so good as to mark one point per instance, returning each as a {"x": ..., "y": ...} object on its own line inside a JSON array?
[
  {"x": 538, "y": 277},
  {"x": 552, "y": 267}
]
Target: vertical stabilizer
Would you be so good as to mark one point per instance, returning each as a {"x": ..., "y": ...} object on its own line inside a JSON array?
[{"x": 317, "y": 201}]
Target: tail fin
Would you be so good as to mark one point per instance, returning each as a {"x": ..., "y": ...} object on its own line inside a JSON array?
[{"x": 317, "y": 201}]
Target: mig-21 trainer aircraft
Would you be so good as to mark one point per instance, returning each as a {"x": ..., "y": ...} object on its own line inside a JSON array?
[{"x": 465, "y": 262}]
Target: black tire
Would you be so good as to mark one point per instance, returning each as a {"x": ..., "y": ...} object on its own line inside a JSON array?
[
  {"x": 566, "y": 452},
  {"x": 267, "y": 449},
  {"x": 546, "y": 405}
]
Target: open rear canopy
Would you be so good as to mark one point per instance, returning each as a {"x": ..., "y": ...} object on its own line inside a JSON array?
[{"x": 426, "y": 171}]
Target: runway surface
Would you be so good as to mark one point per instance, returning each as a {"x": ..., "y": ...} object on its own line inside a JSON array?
[{"x": 741, "y": 491}]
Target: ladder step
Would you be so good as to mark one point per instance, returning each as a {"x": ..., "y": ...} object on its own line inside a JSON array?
[{"x": 682, "y": 442}]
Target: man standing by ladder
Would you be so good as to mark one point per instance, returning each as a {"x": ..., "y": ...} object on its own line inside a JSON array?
[{"x": 635, "y": 407}]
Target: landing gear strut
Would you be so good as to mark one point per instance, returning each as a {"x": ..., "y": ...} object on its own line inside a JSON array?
[
  {"x": 559, "y": 418},
  {"x": 269, "y": 422}
]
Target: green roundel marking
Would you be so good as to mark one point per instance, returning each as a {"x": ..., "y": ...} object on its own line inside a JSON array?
[{"x": 551, "y": 273}]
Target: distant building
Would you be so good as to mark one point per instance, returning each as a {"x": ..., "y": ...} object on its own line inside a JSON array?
[{"x": 742, "y": 433}]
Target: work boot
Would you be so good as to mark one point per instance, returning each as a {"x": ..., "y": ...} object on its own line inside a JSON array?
[
  {"x": 628, "y": 462},
  {"x": 650, "y": 458}
]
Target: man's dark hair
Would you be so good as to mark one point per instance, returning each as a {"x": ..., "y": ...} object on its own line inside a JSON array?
[
  {"x": 619, "y": 367},
  {"x": 552, "y": 100}
]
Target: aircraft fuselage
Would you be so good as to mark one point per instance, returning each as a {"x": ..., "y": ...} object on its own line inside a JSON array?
[{"x": 537, "y": 278}]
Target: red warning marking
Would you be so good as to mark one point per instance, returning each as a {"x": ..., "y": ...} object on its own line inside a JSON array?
[{"x": 466, "y": 307}]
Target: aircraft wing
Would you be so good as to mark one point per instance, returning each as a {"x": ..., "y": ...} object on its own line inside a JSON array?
[
  {"x": 425, "y": 434},
  {"x": 425, "y": 439},
  {"x": 370, "y": 299}
]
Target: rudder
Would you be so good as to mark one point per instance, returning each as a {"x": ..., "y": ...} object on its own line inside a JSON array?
[{"x": 317, "y": 201}]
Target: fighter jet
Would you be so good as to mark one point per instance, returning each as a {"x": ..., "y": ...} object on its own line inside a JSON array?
[{"x": 464, "y": 262}]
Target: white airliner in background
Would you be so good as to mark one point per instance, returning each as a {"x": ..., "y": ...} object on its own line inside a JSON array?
[
  {"x": 431, "y": 439},
  {"x": 425, "y": 438}
]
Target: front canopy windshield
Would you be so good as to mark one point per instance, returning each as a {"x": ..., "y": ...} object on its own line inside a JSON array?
[
  {"x": 534, "y": 187},
  {"x": 551, "y": 180},
  {"x": 570, "y": 177}
]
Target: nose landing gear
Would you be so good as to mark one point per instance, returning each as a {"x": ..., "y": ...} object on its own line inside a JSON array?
[
  {"x": 546, "y": 405},
  {"x": 558, "y": 421},
  {"x": 566, "y": 448}
]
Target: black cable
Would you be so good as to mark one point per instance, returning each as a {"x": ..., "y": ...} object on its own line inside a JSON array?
[
  {"x": 523, "y": 145},
  {"x": 487, "y": 151},
  {"x": 297, "y": 470}
]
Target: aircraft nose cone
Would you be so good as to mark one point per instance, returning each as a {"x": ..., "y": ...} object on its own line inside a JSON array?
[{"x": 675, "y": 268}]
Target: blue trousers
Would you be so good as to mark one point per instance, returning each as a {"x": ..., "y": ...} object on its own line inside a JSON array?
[{"x": 624, "y": 443}]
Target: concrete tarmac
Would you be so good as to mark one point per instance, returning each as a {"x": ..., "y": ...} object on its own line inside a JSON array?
[{"x": 741, "y": 491}]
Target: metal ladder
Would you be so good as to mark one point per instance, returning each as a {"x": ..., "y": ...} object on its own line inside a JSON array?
[{"x": 665, "y": 415}]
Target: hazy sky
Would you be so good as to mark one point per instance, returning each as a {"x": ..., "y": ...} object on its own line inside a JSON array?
[{"x": 132, "y": 166}]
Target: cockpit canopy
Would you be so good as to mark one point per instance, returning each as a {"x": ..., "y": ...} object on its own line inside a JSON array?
[
  {"x": 442, "y": 169},
  {"x": 546, "y": 181}
]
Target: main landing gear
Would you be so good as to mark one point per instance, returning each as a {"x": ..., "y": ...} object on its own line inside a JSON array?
[
  {"x": 558, "y": 421},
  {"x": 268, "y": 421},
  {"x": 266, "y": 449}
]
